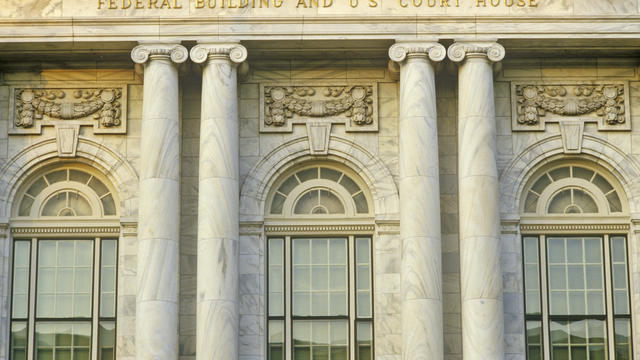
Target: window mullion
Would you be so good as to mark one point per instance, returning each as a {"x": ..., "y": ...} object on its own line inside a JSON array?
[
  {"x": 351, "y": 261},
  {"x": 33, "y": 269},
  {"x": 288, "y": 341},
  {"x": 96, "y": 299},
  {"x": 544, "y": 297},
  {"x": 608, "y": 284}
]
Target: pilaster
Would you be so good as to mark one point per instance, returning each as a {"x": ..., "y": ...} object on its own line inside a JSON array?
[
  {"x": 218, "y": 202},
  {"x": 159, "y": 207},
  {"x": 480, "y": 250},
  {"x": 421, "y": 269}
]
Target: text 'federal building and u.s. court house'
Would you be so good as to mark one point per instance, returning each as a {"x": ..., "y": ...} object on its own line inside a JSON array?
[{"x": 319, "y": 179}]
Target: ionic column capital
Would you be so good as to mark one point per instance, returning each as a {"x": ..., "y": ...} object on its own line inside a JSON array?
[
  {"x": 233, "y": 52},
  {"x": 463, "y": 49},
  {"x": 399, "y": 51},
  {"x": 176, "y": 52}
]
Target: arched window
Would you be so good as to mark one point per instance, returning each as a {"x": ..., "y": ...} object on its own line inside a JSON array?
[
  {"x": 574, "y": 225},
  {"x": 572, "y": 190},
  {"x": 319, "y": 190},
  {"x": 320, "y": 277},
  {"x": 63, "y": 301},
  {"x": 70, "y": 191}
]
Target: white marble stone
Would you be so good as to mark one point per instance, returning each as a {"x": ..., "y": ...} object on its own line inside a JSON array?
[
  {"x": 158, "y": 249},
  {"x": 421, "y": 269},
  {"x": 217, "y": 285},
  {"x": 480, "y": 265}
]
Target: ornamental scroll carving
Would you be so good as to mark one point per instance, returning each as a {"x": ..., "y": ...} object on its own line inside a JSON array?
[
  {"x": 534, "y": 104},
  {"x": 102, "y": 108},
  {"x": 285, "y": 105}
]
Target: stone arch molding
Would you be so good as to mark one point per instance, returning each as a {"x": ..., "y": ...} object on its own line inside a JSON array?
[
  {"x": 371, "y": 169},
  {"x": 89, "y": 152},
  {"x": 622, "y": 166}
]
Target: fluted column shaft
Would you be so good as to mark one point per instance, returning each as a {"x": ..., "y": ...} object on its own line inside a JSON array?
[
  {"x": 218, "y": 202},
  {"x": 421, "y": 270},
  {"x": 159, "y": 206},
  {"x": 480, "y": 267}
]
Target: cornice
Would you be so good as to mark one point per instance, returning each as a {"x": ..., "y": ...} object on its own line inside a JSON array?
[{"x": 374, "y": 27}]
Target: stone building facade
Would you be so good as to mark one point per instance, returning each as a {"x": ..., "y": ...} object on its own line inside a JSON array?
[{"x": 319, "y": 179}]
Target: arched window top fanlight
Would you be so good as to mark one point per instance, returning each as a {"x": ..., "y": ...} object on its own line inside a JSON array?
[
  {"x": 573, "y": 190},
  {"x": 319, "y": 191},
  {"x": 67, "y": 192}
]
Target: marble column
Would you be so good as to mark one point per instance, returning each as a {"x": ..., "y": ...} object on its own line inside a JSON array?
[
  {"x": 480, "y": 267},
  {"x": 159, "y": 203},
  {"x": 421, "y": 270},
  {"x": 218, "y": 202}
]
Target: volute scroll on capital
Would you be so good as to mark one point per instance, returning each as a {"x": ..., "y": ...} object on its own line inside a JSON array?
[
  {"x": 235, "y": 52},
  {"x": 141, "y": 53},
  {"x": 398, "y": 52},
  {"x": 458, "y": 51}
]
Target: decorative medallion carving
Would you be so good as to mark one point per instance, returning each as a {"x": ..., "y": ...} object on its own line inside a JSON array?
[
  {"x": 285, "y": 105},
  {"x": 102, "y": 108},
  {"x": 534, "y": 104}
]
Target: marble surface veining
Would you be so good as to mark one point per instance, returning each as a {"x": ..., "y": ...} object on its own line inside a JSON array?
[
  {"x": 217, "y": 277},
  {"x": 421, "y": 267},
  {"x": 480, "y": 264},
  {"x": 158, "y": 248}
]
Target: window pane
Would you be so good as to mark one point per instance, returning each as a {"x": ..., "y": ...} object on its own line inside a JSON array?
[
  {"x": 364, "y": 345},
  {"x": 276, "y": 276},
  {"x": 623, "y": 339},
  {"x": 108, "y": 259},
  {"x": 559, "y": 173},
  {"x": 98, "y": 187},
  {"x": 18, "y": 350},
  {"x": 20, "y": 300},
  {"x": 584, "y": 201},
  {"x": 619, "y": 274},
  {"x": 320, "y": 339},
  {"x": 288, "y": 185},
  {"x": 319, "y": 284},
  {"x": 69, "y": 340},
  {"x": 578, "y": 338},
  {"x": 582, "y": 173},
  {"x": 276, "y": 349},
  {"x": 277, "y": 203},
  {"x": 349, "y": 184},
  {"x": 614, "y": 202},
  {"x": 37, "y": 187},
  {"x": 307, "y": 202},
  {"x": 25, "y": 206},
  {"x": 64, "y": 278},
  {"x": 57, "y": 176},
  {"x": 531, "y": 203},
  {"x": 330, "y": 174},
  {"x": 108, "y": 205},
  {"x": 361, "y": 203},
  {"x": 575, "y": 279},
  {"x": 79, "y": 176},
  {"x": 331, "y": 202},
  {"x": 107, "y": 340},
  {"x": 307, "y": 174},
  {"x": 363, "y": 277},
  {"x": 534, "y": 340}
]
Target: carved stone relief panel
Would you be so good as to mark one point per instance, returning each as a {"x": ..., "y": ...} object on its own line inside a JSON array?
[
  {"x": 283, "y": 105},
  {"x": 606, "y": 103},
  {"x": 103, "y": 108}
]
